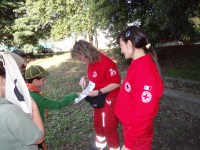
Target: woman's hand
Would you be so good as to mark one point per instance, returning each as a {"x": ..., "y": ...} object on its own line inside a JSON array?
[{"x": 83, "y": 82}]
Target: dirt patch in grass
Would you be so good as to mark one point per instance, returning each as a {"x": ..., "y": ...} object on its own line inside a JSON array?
[
  {"x": 71, "y": 128},
  {"x": 176, "y": 130}
]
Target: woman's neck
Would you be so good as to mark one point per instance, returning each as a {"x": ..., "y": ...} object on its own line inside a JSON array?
[{"x": 137, "y": 53}]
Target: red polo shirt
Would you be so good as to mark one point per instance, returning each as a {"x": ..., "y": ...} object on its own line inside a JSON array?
[
  {"x": 138, "y": 100},
  {"x": 103, "y": 72}
]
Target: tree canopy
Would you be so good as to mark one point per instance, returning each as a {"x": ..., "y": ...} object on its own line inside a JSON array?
[
  {"x": 7, "y": 17},
  {"x": 161, "y": 19},
  {"x": 57, "y": 19}
]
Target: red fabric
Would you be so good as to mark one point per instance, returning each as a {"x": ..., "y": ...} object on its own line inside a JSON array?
[
  {"x": 104, "y": 72},
  {"x": 144, "y": 143},
  {"x": 111, "y": 123},
  {"x": 47, "y": 113},
  {"x": 33, "y": 88},
  {"x": 138, "y": 100}
]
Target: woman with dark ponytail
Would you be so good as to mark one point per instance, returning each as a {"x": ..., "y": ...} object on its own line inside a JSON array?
[{"x": 138, "y": 100}]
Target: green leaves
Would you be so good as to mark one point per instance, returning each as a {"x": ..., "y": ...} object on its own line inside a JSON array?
[
  {"x": 6, "y": 20},
  {"x": 57, "y": 19}
]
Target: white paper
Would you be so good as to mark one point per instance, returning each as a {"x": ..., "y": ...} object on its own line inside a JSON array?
[{"x": 85, "y": 92}]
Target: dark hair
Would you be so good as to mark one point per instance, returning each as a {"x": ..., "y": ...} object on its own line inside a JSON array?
[
  {"x": 31, "y": 80},
  {"x": 85, "y": 49},
  {"x": 19, "y": 53},
  {"x": 138, "y": 39},
  {"x": 136, "y": 35},
  {"x": 2, "y": 70}
]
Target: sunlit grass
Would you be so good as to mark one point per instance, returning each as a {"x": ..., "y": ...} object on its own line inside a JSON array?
[
  {"x": 71, "y": 127},
  {"x": 189, "y": 70}
]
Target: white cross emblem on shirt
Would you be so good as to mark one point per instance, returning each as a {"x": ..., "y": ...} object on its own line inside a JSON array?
[{"x": 146, "y": 96}]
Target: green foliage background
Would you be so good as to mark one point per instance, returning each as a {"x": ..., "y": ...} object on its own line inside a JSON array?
[{"x": 27, "y": 21}]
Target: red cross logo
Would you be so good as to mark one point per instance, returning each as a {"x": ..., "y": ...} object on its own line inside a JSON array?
[
  {"x": 94, "y": 74},
  {"x": 127, "y": 87},
  {"x": 146, "y": 96}
]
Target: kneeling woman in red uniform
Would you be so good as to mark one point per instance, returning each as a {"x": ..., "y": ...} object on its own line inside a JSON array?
[
  {"x": 138, "y": 100},
  {"x": 103, "y": 72}
]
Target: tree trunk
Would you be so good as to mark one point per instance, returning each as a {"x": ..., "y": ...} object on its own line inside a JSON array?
[
  {"x": 96, "y": 42},
  {"x": 91, "y": 38}
]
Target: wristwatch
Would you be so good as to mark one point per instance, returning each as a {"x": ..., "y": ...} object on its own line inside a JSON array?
[{"x": 99, "y": 92}]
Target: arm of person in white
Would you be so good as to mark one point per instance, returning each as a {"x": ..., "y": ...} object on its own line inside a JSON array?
[
  {"x": 85, "y": 92},
  {"x": 38, "y": 121}
]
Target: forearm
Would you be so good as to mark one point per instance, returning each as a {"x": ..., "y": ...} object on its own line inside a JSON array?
[
  {"x": 38, "y": 121},
  {"x": 105, "y": 89},
  {"x": 109, "y": 87},
  {"x": 70, "y": 98}
]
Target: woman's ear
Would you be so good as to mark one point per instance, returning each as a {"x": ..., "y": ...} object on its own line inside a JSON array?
[{"x": 130, "y": 45}]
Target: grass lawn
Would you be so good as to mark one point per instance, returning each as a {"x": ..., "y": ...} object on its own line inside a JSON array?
[{"x": 71, "y": 128}]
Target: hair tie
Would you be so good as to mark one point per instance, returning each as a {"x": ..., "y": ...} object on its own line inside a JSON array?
[
  {"x": 148, "y": 45},
  {"x": 128, "y": 33}
]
